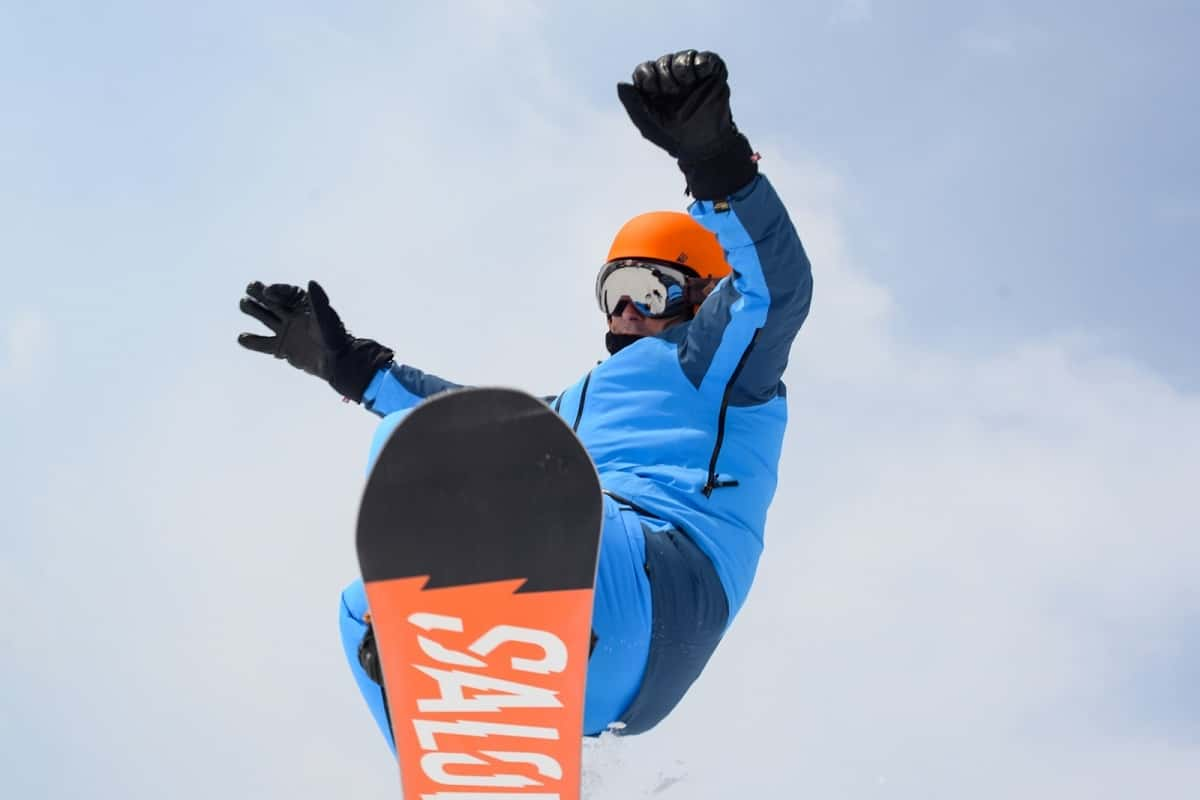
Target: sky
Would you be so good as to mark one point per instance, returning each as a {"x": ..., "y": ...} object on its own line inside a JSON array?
[{"x": 982, "y": 565}]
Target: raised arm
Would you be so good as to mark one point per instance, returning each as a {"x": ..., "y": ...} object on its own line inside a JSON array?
[
  {"x": 738, "y": 343},
  {"x": 742, "y": 333}
]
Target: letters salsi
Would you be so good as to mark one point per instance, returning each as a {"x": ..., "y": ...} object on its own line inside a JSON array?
[{"x": 464, "y": 687}]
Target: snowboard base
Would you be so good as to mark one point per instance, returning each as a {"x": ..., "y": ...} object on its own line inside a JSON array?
[{"x": 477, "y": 538}]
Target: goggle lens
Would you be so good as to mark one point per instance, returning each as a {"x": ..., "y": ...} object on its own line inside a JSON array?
[{"x": 653, "y": 289}]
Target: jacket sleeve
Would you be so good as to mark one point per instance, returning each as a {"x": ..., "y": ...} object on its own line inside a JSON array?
[
  {"x": 739, "y": 341},
  {"x": 398, "y": 387}
]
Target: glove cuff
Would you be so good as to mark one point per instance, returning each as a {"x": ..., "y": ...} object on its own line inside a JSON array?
[
  {"x": 356, "y": 367},
  {"x": 721, "y": 174}
]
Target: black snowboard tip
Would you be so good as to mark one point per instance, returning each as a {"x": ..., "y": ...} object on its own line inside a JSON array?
[{"x": 479, "y": 485}]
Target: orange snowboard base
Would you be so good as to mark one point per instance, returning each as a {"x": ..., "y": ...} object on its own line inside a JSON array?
[{"x": 477, "y": 540}]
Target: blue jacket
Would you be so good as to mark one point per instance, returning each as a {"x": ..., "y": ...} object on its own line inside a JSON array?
[{"x": 687, "y": 426}]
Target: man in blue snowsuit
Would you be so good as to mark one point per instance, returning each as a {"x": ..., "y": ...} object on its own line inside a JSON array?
[{"x": 684, "y": 421}]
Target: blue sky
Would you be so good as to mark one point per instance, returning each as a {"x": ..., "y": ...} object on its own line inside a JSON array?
[{"x": 982, "y": 563}]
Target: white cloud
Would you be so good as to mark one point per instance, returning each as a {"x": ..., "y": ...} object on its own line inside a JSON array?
[
  {"x": 1180, "y": 212},
  {"x": 852, "y": 12},
  {"x": 973, "y": 570},
  {"x": 971, "y": 567},
  {"x": 497, "y": 14},
  {"x": 989, "y": 43},
  {"x": 26, "y": 342},
  {"x": 1004, "y": 42}
]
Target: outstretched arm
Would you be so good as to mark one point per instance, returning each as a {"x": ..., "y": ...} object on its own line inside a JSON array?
[
  {"x": 397, "y": 387},
  {"x": 310, "y": 336}
]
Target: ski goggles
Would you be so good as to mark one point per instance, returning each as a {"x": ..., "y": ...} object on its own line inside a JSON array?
[{"x": 655, "y": 290}]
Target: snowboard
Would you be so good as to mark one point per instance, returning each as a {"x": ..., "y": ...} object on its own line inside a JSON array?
[{"x": 478, "y": 535}]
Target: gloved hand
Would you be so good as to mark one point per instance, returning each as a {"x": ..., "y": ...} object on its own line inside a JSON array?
[
  {"x": 311, "y": 336},
  {"x": 681, "y": 103}
]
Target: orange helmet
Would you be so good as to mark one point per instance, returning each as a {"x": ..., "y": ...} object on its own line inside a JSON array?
[{"x": 674, "y": 238}]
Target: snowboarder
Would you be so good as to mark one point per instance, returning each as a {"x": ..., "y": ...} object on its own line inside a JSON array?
[{"x": 684, "y": 420}]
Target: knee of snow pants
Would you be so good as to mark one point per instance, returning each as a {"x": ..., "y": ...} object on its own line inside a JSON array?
[
  {"x": 691, "y": 613},
  {"x": 353, "y": 627},
  {"x": 621, "y": 622},
  {"x": 621, "y": 619}
]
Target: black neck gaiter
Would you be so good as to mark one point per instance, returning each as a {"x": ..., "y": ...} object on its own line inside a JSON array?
[{"x": 616, "y": 342}]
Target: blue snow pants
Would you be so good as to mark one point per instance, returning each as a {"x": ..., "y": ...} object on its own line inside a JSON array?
[{"x": 621, "y": 622}]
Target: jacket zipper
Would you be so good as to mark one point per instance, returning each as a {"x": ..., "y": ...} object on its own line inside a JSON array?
[{"x": 712, "y": 483}]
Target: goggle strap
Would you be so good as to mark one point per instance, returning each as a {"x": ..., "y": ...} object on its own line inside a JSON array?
[{"x": 697, "y": 290}]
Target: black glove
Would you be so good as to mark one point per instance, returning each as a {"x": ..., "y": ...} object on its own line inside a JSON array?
[
  {"x": 681, "y": 103},
  {"x": 311, "y": 336}
]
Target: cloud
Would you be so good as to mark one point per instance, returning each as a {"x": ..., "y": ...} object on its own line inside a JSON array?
[
  {"x": 1180, "y": 212},
  {"x": 977, "y": 566},
  {"x": 26, "y": 342},
  {"x": 976, "y": 570},
  {"x": 852, "y": 12},
  {"x": 1002, "y": 42}
]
